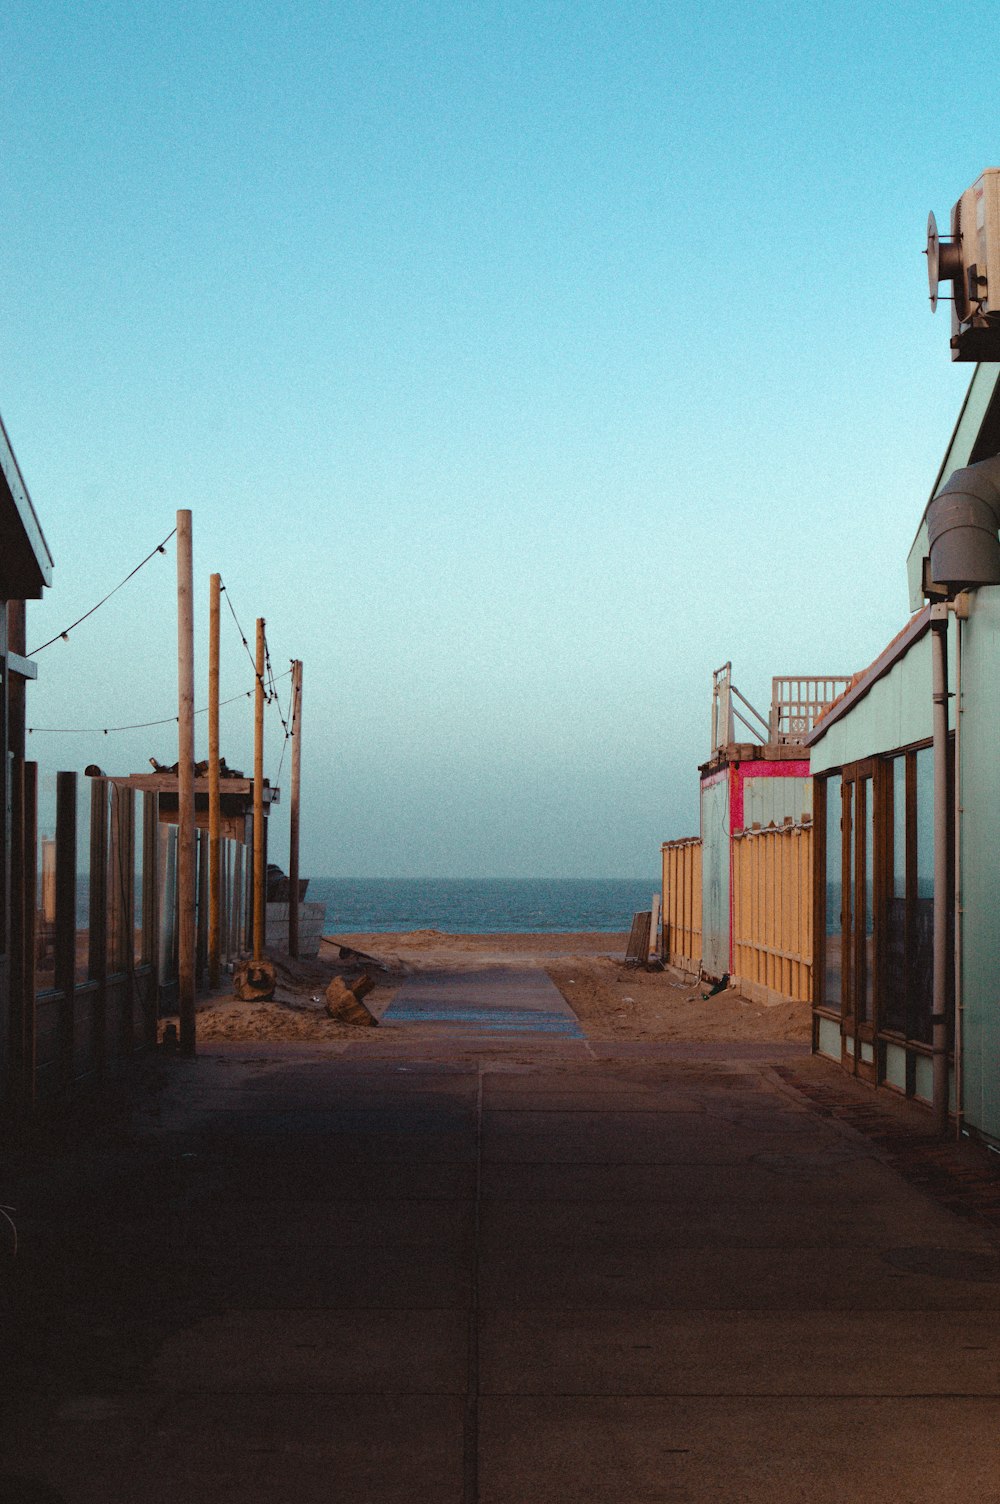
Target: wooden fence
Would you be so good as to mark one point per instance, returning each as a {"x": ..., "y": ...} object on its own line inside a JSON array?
[
  {"x": 95, "y": 989},
  {"x": 773, "y": 912},
  {"x": 682, "y": 903}
]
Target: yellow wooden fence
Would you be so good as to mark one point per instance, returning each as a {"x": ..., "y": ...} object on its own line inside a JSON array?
[
  {"x": 682, "y": 903},
  {"x": 773, "y": 912}
]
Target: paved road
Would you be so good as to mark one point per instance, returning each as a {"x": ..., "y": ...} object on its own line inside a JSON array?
[{"x": 451, "y": 1263}]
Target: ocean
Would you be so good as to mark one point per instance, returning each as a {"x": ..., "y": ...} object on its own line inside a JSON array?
[
  {"x": 476, "y": 906},
  {"x": 480, "y": 906}
]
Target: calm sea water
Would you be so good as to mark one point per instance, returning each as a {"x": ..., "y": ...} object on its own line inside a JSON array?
[
  {"x": 481, "y": 906},
  {"x": 466, "y": 907}
]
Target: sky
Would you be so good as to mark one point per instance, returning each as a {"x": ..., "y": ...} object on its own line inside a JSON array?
[{"x": 520, "y": 364}]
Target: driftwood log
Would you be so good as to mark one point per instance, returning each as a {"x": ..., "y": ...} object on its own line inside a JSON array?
[
  {"x": 254, "y": 981},
  {"x": 343, "y": 1000}
]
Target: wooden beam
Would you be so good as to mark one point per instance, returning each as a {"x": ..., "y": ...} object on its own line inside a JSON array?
[
  {"x": 166, "y": 783},
  {"x": 18, "y": 664},
  {"x": 259, "y": 870},
  {"x": 97, "y": 963},
  {"x": 124, "y": 878},
  {"x": 214, "y": 801},
  {"x": 151, "y": 914},
  {"x": 65, "y": 932},
  {"x": 24, "y": 879},
  {"x": 185, "y": 784},
  {"x": 293, "y": 820}
]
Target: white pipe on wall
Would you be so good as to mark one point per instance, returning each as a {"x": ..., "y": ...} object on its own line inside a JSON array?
[
  {"x": 961, "y": 614},
  {"x": 942, "y": 895}
]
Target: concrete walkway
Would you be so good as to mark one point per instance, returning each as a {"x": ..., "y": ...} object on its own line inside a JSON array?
[{"x": 515, "y": 1267}]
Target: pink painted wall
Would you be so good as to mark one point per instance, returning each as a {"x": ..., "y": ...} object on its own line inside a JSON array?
[{"x": 739, "y": 772}]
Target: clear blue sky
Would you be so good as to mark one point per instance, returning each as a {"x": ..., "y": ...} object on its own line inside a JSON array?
[{"x": 521, "y": 363}]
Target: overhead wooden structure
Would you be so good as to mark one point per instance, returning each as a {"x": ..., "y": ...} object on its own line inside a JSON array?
[{"x": 235, "y": 799}]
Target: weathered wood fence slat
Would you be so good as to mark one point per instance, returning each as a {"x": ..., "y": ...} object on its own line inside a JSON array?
[
  {"x": 681, "y": 915},
  {"x": 103, "y": 986},
  {"x": 772, "y": 912}
]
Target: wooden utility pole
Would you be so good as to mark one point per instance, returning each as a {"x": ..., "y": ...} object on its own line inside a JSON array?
[
  {"x": 259, "y": 874},
  {"x": 214, "y": 800},
  {"x": 293, "y": 818},
  {"x": 185, "y": 784}
]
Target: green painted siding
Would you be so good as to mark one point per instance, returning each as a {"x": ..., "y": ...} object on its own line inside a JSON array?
[
  {"x": 970, "y": 421},
  {"x": 896, "y": 712},
  {"x": 981, "y": 861},
  {"x": 715, "y": 876},
  {"x": 766, "y": 801}
]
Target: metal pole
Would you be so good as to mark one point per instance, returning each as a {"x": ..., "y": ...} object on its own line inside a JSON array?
[
  {"x": 214, "y": 799},
  {"x": 293, "y": 819},
  {"x": 942, "y": 896},
  {"x": 259, "y": 874},
  {"x": 185, "y": 784}
]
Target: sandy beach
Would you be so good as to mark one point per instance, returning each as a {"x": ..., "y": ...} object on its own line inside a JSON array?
[{"x": 611, "y": 1001}]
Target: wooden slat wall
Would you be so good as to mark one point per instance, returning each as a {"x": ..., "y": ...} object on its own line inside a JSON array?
[
  {"x": 773, "y": 912},
  {"x": 682, "y": 903},
  {"x": 110, "y": 983}
]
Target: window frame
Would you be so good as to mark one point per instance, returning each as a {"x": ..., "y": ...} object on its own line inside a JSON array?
[{"x": 879, "y": 769}]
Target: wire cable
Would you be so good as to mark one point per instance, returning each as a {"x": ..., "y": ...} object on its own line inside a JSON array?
[
  {"x": 243, "y": 635},
  {"x": 63, "y": 636},
  {"x": 169, "y": 720},
  {"x": 273, "y": 695},
  {"x": 288, "y": 733}
]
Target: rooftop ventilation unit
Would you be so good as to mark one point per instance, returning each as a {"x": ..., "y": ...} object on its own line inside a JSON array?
[{"x": 970, "y": 260}]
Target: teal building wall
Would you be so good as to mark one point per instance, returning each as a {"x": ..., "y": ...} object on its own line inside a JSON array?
[{"x": 980, "y": 866}]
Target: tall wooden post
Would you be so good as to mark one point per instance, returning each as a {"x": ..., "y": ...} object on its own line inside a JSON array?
[
  {"x": 24, "y": 868},
  {"x": 151, "y": 914},
  {"x": 29, "y": 889},
  {"x": 97, "y": 925},
  {"x": 214, "y": 800},
  {"x": 259, "y": 871},
  {"x": 293, "y": 819},
  {"x": 185, "y": 785},
  {"x": 65, "y": 936}
]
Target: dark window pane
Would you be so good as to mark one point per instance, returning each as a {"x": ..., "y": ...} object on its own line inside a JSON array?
[
  {"x": 922, "y": 945},
  {"x": 892, "y": 1006},
  {"x": 868, "y": 990},
  {"x": 899, "y": 827}
]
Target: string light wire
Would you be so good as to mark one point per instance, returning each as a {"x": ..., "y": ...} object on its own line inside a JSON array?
[
  {"x": 63, "y": 636},
  {"x": 169, "y": 720},
  {"x": 288, "y": 733}
]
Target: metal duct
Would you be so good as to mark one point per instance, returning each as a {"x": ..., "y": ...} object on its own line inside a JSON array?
[{"x": 962, "y": 522}]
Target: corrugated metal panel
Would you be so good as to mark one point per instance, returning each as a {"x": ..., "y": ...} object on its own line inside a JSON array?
[
  {"x": 682, "y": 903},
  {"x": 767, "y": 801},
  {"x": 772, "y": 910},
  {"x": 715, "y": 874}
]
